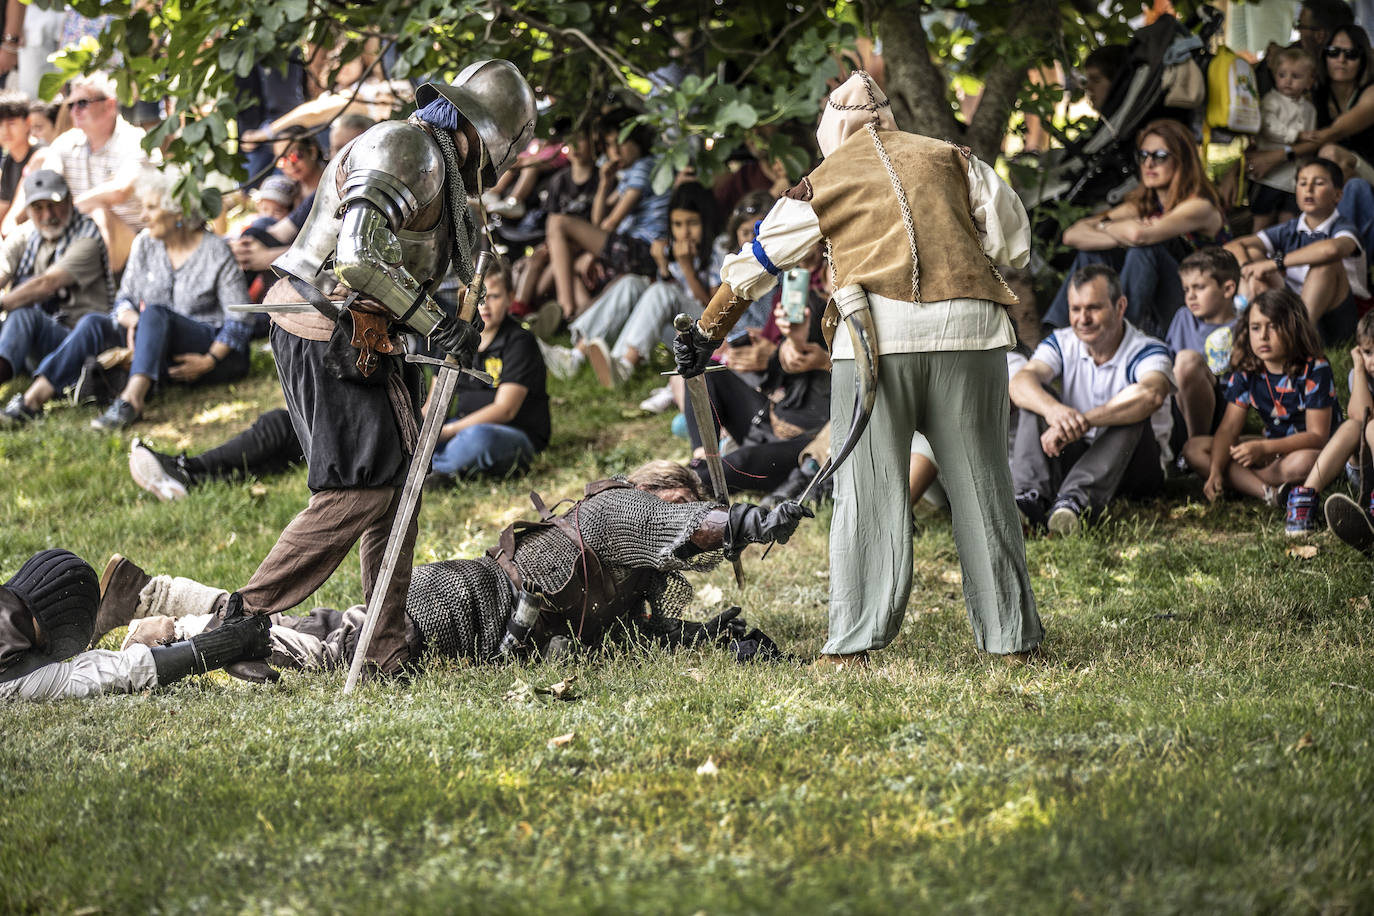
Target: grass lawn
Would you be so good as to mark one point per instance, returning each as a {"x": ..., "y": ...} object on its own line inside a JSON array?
[{"x": 1199, "y": 736}]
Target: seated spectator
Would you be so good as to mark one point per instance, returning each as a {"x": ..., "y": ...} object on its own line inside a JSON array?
[
  {"x": 773, "y": 422},
  {"x": 170, "y": 309},
  {"x": 270, "y": 446},
  {"x": 571, "y": 192},
  {"x": 639, "y": 313},
  {"x": 1317, "y": 255},
  {"x": 302, "y": 162},
  {"x": 1344, "y": 99},
  {"x": 544, "y": 156},
  {"x": 1209, "y": 277},
  {"x": 496, "y": 431},
  {"x": 14, "y": 137},
  {"x": 1107, "y": 432},
  {"x": 627, "y": 217},
  {"x": 43, "y": 121},
  {"x": 1285, "y": 113},
  {"x": 57, "y": 272},
  {"x": 1343, "y": 451},
  {"x": 1100, "y": 70},
  {"x": 101, "y": 159},
  {"x": 274, "y": 200},
  {"x": 1174, "y": 212},
  {"x": 1277, "y": 368}
]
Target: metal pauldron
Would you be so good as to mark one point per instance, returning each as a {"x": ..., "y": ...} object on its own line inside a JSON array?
[
  {"x": 368, "y": 259},
  {"x": 382, "y": 191}
]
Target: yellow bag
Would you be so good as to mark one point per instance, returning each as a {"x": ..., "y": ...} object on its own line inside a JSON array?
[{"x": 1232, "y": 95}]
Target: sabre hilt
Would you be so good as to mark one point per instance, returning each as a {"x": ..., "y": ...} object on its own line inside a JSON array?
[{"x": 477, "y": 289}]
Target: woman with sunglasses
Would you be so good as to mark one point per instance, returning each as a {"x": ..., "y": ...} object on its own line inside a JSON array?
[
  {"x": 1344, "y": 98},
  {"x": 1173, "y": 212}
]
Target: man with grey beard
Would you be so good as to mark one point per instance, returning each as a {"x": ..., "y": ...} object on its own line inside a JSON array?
[{"x": 54, "y": 270}]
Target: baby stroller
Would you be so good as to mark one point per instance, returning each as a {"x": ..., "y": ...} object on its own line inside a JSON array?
[{"x": 1099, "y": 167}]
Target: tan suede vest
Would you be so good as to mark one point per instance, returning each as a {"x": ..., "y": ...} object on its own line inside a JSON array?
[{"x": 858, "y": 212}]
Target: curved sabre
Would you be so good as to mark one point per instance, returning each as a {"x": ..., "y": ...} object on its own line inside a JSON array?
[{"x": 852, "y": 303}]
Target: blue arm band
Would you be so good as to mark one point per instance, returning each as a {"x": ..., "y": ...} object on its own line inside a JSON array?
[{"x": 762, "y": 257}]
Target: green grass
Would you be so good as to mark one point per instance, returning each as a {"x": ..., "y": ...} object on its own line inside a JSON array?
[{"x": 1197, "y": 737}]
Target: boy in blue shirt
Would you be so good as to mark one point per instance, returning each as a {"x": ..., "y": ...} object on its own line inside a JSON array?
[
  {"x": 1318, "y": 255},
  {"x": 1209, "y": 277}
]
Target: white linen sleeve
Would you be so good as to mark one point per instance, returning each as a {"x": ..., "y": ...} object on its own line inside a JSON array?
[
  {"x": 87, "y": 675},
  {"x": 786, "y": 236},
  {"x": 998, "y": 215}
]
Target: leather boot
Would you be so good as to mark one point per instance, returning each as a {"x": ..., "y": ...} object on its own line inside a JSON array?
[{"x": 120, "y": 585}]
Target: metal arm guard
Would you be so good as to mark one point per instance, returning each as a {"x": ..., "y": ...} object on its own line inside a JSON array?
[{"x": 368, "y": 259}]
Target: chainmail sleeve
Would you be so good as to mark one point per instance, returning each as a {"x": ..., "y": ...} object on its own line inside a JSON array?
[{"x": 460, "y": 606}]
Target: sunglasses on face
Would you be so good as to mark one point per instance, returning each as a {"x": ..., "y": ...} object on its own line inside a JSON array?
[
  {"x": 1160, "y": 156},
  {"x": 1333, "y": 52},
  {"x": 292, "y": 157},
  {"x": 80, "y": 104}
]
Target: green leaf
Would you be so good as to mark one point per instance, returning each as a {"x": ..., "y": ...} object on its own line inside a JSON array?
[
  {"x": 211, "y": 202},
  {"x": 736, "y": 114}
]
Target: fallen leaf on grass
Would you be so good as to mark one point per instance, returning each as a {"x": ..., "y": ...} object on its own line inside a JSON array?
[
  {"x": 1302, "y": 551},
  {"x": 257, "y": 490},
  {"x": 1305, "y": 742},
  {"x": 522, "y": 692},
  {"x": 708, "y": 768},
  {"x": 1188, "y": 509},
  {"x": 1360, "y": 604},
  {"x": 951, "y": 577},
  {"x": 561, "y": 740},
  {"x": 695, "y": 674}
]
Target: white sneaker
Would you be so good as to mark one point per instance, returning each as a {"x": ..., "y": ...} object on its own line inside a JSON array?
[
  {"x": 562, "y": 362},
  {"x": 610, "y": 371},
  {"x": 658, "y": 401}
]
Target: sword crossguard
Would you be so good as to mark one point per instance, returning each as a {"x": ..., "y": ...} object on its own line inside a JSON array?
[{"x": 445, "y": 364}]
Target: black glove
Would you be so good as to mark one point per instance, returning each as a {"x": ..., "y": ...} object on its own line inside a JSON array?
[
  {"x": 724, "y": 625},
  {"x": 692, "y": 350},
  {"x": 232, "y": 641},
  {"x": 748, "y": 524},
  {"x": 458, "y": 338}
]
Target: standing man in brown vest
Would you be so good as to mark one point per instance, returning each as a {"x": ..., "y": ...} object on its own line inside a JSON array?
[{"x": 917, "y": 223}]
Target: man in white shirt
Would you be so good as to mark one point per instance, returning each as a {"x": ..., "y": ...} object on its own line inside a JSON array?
[
  {"x": 1108, "y": 430},
  {"x": 101, "y": 158}
]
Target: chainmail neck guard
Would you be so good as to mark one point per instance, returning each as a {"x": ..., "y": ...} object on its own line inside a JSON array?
[{"x": 464, "y": 227}]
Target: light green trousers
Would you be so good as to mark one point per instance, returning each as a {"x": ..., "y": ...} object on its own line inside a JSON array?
[{"x": 958, "y": 400}]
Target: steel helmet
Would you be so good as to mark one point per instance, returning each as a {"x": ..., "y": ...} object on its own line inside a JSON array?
[{"x": 496, "y": 100}]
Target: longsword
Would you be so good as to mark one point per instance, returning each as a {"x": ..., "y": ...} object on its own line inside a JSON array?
[
  {"x": 710, "y": 439},
  {"x": 445, "y": 380}
]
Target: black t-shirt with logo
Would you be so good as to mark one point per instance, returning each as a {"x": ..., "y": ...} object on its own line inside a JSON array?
[
  {"x": 11, "y": 172},
  {"x": 512, "y": 356}
]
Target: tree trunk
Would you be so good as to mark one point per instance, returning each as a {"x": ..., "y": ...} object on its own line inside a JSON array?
[{"x": 919, "y": 88}]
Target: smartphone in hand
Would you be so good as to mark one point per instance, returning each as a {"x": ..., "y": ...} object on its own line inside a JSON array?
[{"x": 796, "y": 283}]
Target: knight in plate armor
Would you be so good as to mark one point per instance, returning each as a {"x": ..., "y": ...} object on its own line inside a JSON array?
[{"x": 390, "y": 219}]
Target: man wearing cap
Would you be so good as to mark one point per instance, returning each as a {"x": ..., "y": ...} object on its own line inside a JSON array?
[
  {"x": 47, "y": 615},
  {"x": 56, "y": 269},
  {"x": 914, "y": 225},
  {"x": 389, "y": 218}
]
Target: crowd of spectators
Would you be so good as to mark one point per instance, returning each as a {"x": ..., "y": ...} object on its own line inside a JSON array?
[{"x": 1167, "y": 327}]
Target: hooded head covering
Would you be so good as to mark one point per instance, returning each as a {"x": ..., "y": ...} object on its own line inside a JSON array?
[{"x": 855, "y": 103}]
